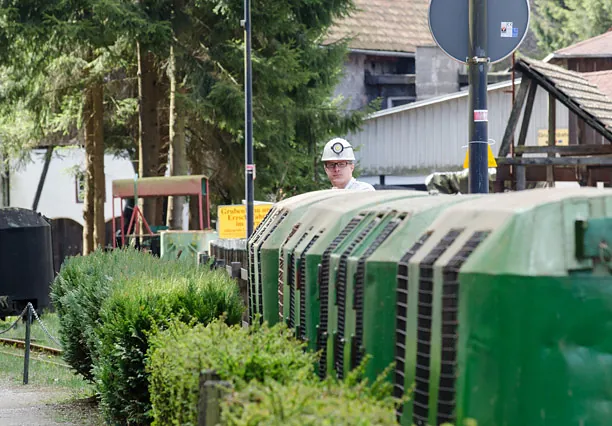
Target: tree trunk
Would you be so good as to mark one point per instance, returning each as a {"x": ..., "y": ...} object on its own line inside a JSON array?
[
  {"x": 178, "y": 153},
  {"x": 148, "y": 141},
  {"x": 197, "y": 168},
  {"x": 88, "y": 203},
  {"x": 163, "y": 88},
  {"x": 99, "y": 231}
]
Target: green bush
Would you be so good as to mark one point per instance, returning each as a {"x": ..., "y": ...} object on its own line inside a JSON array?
[
  {"x": 79, "y": 290},
  {"x": 238, "y": 355},
  {"x": 310, "y": 403},
  {"x": 130, "y": 315},
  {"x": 108, "y": 301}
]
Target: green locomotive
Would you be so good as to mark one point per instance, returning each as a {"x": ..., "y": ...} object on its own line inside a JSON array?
[{"x": 492, "y": 307}]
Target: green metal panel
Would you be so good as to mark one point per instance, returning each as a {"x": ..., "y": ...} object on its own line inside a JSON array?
[
  {"x": 317, "y": 230},
  {"x": 380, "y": 274},
  {"x": 263, "y": 249},
  {"x": 329, "y": 314},
  {"x": 346, "y": 333},
  {"x": 187, "y": 243},
  {"x": 475, "y": 255},
  {"x": 268, "y": 250},
  {"x": 536, "y": 333}
]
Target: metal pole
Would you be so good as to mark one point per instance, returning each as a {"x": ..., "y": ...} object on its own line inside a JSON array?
[
  {"x": 26, "y": 361},
  {"x": 248, "y": 132},
  {"x": 478, "y": 65}
]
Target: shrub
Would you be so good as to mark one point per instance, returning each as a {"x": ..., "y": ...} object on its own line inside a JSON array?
[
  {"x": 299, "y": 403},
  {"x": 239, "y": 355},
  {"x": 79, "y": 290},
  {"x": 143, "y": 305}
]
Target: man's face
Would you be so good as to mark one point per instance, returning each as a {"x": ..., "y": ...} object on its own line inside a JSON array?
[{"x": 339, "y": 172}]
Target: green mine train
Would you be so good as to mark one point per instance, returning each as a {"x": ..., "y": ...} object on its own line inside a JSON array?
[{"x": 494, "y": 308}]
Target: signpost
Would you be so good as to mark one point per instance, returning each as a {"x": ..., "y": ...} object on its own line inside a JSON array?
[
  {"x": 249, "y": 175},
  {"x": 476, "y": 32}
]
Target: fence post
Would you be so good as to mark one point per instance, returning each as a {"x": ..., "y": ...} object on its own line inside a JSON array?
[
  {"x": 212, "y": 390},
  {"x": 26, "y": 361}
]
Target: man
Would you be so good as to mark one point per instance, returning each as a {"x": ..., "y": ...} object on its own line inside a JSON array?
[{"x": 338, "y": 160}]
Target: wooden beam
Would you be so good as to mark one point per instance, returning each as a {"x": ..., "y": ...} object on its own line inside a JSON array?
[
  {"x": 556, "y": 161},
  {"x": 567, "y": 149},
  {"x": 43, "y": 177},
  {"x": 521, "y": 178},
  {"x": 566, "y": 100},
  {"x": 552, "y": 122},
  {"x": 507, "y": 140},
  {"x": 560, "y": 173},
  {"x": 527, "y": 115}
]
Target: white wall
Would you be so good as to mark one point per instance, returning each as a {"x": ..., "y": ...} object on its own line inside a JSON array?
[{"x": 58, "y": 198}]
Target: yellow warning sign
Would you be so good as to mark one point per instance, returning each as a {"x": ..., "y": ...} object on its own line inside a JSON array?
[
  {"x": 561, "y": 137},
  {"x": 231, "y": 220},
  {"x": 490, "y": 157}
]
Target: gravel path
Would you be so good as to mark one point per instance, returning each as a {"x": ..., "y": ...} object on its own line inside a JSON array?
[{"x": 32, "y": 405}]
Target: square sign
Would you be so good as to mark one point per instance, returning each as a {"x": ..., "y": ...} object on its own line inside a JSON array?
[{"x": 506, "y": 29}]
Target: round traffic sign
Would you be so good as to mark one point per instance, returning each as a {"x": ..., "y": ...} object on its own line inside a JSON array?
[{"x": 507, "y": 24}]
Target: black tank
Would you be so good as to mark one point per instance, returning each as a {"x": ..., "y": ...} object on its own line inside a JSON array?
[{"x": 26, "y": 260}]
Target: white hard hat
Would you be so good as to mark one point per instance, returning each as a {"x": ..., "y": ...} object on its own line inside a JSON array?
[{"x": 338, "y": 149}]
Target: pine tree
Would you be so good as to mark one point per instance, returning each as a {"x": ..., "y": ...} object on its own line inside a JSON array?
[{"x": 560, "y": 23}]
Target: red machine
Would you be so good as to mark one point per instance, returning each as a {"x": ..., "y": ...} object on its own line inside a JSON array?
[{"x": 195, "y": 185}]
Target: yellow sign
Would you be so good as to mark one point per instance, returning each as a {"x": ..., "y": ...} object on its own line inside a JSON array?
[
  {"x": 491, "y": 158},
  {"x": 231, "y": 220},
  {"x": 561, "y": 137}
]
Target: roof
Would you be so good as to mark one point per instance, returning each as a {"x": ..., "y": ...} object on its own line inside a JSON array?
[
  {"x": 596, "y": 47},
  {"x": 572, "y": 89},
  {"x": 504, "y": 85},
  {"x": 602, "y": 79},
  {"x": 160, "y": 186},
  {"x": 385, "y": 25}
]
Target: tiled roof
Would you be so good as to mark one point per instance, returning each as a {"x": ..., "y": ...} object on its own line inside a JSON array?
[
  {"x": 602, "y": 79},
  {"x": 388, "y": 25},
  {"x": 600, "y": 45},
  {"x": 581, "y": 92}
]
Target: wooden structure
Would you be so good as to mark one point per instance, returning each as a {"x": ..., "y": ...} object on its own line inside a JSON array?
[
  {"x": 587, "y": 164},
  {"x": 196, "y": 185},
  {"x": 588, "y": 57}
]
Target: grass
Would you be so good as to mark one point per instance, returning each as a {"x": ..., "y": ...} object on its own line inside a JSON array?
[
  {"x": 72, "y": 397},
  {"x": 38, "y": 335}
]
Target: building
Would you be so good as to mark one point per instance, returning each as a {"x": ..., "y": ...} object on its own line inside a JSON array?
[
  {"x": 403, "y": 145},
  {"x": 392, "y": 55},
  {"x": 62, "y": 190},
  {"x": 593, "y": 57}
]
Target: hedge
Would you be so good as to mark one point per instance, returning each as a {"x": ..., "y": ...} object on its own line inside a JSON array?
[
  {"x": 79, "y": 290},
  {"x": 329, "y": 402},
  {"x": 238, "y": 355},
  {"x": 108, "y": 302}
]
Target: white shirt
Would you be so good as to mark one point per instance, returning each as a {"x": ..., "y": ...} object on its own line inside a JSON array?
[{"x": 355, "y": 184}]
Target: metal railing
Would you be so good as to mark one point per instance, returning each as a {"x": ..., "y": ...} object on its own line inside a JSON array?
[{"x": 27, "y": 314}]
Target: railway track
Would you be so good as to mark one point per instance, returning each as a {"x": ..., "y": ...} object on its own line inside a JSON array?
[{"x": 33, "y": 346}]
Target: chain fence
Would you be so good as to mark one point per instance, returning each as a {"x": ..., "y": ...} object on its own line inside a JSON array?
[
  {"x": 27, "y": 313},
  {"x": 42, "y": 325},
  {"x": 16, "y": 321}
]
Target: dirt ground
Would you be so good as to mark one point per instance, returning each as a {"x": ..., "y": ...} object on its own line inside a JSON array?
[{"x": 31, "y": 405}]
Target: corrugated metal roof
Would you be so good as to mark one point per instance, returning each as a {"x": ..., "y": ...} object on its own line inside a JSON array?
[
  {"x": 432, "y": 135},
  {"x": 586, "y": 95},
  {"x": 385, "y": 25}
]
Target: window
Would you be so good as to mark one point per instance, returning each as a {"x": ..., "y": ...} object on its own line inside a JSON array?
[
  {"x": 79, "y": 187},
  {"x": 394, "y": 101}
]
